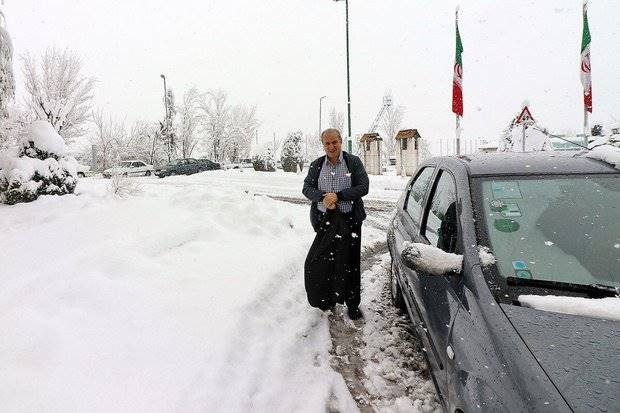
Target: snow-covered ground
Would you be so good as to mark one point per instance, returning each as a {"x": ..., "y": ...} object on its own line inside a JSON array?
[
  {"x": 187, "y": 296},
  {"x": 382, "y": 188}
]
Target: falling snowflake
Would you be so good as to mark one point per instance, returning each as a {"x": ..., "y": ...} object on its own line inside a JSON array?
[{"x": 548, "y": 243}]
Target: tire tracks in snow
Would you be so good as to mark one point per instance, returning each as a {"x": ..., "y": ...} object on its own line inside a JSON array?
[{"x": 379, "y": 356}]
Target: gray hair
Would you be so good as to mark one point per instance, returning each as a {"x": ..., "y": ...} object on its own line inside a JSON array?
[{"x": 331, "y": 130}]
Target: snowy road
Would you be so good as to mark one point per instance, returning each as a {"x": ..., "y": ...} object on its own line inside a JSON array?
[{"x": 189, "y": 296}]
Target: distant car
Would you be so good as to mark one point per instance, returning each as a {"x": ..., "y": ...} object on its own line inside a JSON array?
[
  {"x": 210, "y": 165},
  {"x": 186, "y": 166},
  {"x": 82, "y": 170},
  {"x": 132, "y": 167},
  {"x": 552, "y": 224},
  {"x": 242, "y": 164}
]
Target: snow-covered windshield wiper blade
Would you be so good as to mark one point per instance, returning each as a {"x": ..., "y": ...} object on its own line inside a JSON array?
[{"x": 592, "y": 290}]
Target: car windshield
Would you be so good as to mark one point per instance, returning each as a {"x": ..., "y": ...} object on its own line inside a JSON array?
[
  {"x": 557, "y": 228},
  {"x": 125, "y": 164},
  {"x": 175, "y": 162}
]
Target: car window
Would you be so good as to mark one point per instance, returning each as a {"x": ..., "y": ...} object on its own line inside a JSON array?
[
  {"x": 441, "y": 224},
  {"x": 137, "y": 164},
  {"x": 553, "y": 227},
  {"x": 413, "y": 206}
]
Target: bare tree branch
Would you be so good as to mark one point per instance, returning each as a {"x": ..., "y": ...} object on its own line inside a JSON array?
[{"x": 58, "y": 91}]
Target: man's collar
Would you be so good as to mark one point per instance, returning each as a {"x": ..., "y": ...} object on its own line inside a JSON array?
[{"x": 340, "y": 158}]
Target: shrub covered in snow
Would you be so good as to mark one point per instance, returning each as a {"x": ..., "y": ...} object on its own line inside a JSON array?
[
  {"x": 264, "y": 161},
  {"x": 291, "y": 156},
  {"x": 123, "y": 187},
  {"x": 39, "y": 166}
]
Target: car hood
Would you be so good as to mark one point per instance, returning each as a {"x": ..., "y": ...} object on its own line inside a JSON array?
[{"x": 581, "y": 355}]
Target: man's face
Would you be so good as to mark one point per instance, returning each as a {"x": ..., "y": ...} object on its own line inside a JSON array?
[{"x": 332, "y": 144}]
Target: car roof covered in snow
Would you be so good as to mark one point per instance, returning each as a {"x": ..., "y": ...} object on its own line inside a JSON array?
[{"x": 532, "y": 163}]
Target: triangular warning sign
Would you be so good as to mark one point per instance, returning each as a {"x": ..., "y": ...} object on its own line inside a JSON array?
[{"x": 525, "y": 116}]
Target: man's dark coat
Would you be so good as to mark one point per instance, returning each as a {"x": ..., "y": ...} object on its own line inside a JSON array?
[
  {"x": 359, "y": 188},
  {"x": 332, "y": 268}
]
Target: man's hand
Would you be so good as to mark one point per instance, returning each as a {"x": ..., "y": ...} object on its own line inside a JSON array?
[{"x": 330, "y": 200}]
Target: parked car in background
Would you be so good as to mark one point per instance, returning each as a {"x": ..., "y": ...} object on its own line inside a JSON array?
[
  {"x": 245, "y": 163},
  {"x": 186, "y": 166},
  {"x": 516, "y": 330},
  {"x": 82, "y": 170},
  {"x": 133, "y": 167},
  {"x": 210, "y": 165}
]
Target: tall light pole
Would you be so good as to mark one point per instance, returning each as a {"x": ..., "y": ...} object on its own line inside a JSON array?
[
  {"x": 166, "y": 112},
  {"x": 321, "y": 114},
  {"x": 346, "y": 4}
]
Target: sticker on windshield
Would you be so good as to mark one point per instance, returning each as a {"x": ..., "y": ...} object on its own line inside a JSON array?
[
  {"x": 497, "y": 205},
  {"x": 523, "y": 274},
  {"x": 506, "y": 225},
  {"x": 511, "y": 210},
  {"x": 506, "y": 190},
  {"x": 519, "y": 265}
]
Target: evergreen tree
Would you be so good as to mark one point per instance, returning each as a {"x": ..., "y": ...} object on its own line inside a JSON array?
[
  {"x": 292, "y": 155},
  {"x": 41, "y": 167}
]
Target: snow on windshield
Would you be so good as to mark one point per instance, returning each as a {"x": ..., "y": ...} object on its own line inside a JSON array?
[
  {"x": 606, "y": 153},
  {"x": 607, "y": 308}
]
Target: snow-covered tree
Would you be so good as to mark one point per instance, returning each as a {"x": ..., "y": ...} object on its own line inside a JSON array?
[
  {"x": 169, "y": 134},
  {"x": 390, "y": 125},
  {"x": 336, "y": 120},
  {"x": 215, "y": 113},
  {"x": 7, "y": 80},
  {"x": 264, "y": 159},
  {"x": 241, "y": 130},
  {"x": 38, "y": 167},
  {"x": 189, "y": 120},
  {"x": 107, "y": 133},
  {"x": 314, "y": 147},
  {"x": 291, "y": 155},
  {"x": 58, "y": 91}
]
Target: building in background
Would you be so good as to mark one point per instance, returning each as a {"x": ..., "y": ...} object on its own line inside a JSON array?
[
  {"x": 407, "y": 151},
  {"x": 370, "y": 152}
]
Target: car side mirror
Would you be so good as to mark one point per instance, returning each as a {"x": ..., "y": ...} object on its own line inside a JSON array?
[{"x": 427, "y": 259}]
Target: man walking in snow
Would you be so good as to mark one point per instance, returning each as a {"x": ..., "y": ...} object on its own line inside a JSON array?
[{"x": 336, "y": 183}]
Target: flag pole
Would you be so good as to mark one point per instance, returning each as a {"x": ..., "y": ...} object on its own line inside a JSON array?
[
  {"x": 458, "y": 121},
  {"x": 585, "y": 107},
  {"x": 586, "y": 72}
]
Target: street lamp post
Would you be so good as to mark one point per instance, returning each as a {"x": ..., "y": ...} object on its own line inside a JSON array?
[
  {"x": 166, "y": 113},
  {"x": 346, "y": 4},
  {"x": 321, "y": 114}
]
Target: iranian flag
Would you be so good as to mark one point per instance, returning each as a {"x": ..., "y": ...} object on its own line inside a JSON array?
[
  {"x": 586, "y": 75},
  {"x": 457, "y": 82}
]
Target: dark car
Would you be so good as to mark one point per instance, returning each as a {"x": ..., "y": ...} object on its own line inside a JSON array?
[
  {"x": 186, "y": 166},
  {"x": 552, "y": 223}
]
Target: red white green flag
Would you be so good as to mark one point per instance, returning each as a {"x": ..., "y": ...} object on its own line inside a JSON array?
[
  {"x": 457, "y": 81},
  {"x": 586, "y": 75}
]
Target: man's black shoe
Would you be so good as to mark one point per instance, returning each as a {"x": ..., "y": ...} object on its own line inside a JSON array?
[{"x": 355, "y": 313}]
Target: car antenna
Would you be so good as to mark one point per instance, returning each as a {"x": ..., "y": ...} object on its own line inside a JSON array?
[{"x": 559, "y": 137}]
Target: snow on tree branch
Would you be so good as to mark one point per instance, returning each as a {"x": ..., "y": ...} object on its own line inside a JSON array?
[{"x": 58, "y": 91}]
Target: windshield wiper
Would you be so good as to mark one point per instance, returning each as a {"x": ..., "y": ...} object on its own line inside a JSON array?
[{"x": 592, "y": 290}]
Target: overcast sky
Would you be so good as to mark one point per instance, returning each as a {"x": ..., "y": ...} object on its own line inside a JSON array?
[{"x": 282, "y": 55}]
